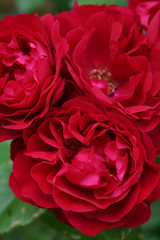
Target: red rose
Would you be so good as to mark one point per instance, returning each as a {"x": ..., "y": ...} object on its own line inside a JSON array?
[
  {"x": 106, "y": 60},
  {"x": 30, "y": 62},
  {"x": 146, "y": 9},
  {"x": 109, "y": 59},
  {"x": 91, "y": 166}
]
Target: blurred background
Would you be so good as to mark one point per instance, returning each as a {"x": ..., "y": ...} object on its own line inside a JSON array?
[
  {"x": 38, "y": 229},
  {"x": 12, "y": 7}
]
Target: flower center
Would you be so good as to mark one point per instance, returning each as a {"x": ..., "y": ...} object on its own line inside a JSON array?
[
  {"x": 72, "y": 143},
  {"x": 104, "y": 74}
]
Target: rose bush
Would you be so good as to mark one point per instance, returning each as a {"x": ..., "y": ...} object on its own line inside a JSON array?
[
  {"x": 30, "y": 62},
  {"x": 146, "y": 9},
  {"x": 89, "y": 164},
  {"x": 109, "y": 59}
]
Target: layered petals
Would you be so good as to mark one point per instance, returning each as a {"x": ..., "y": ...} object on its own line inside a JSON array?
[
  {"x": 90, "y": 167},
  {"x": 30, "y": 63}
]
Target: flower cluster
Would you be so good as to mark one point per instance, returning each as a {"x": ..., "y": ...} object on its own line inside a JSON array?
[{"x": 80, "y": 97}]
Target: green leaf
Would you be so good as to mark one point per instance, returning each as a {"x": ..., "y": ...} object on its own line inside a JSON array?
[
  {"x": 63, "y": 5},
  {"x": 18, "y": 214},
  {"x": 100, "y": 2},
  {"x": 36, "y": 230},
  {"x": 158, "y": 160},
  {"x": 69, "y": 233},
  {"x": 121, "y": 234},
  {"x": 4, "y": 151},
  {"x": 27, "y": 6},
  {"x": 13, "y": 212},
  {"x": 6, "y": 196},
  {"x": 151, "y": 229}
]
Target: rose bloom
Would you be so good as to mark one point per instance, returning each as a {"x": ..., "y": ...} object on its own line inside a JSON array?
[
  {"x": 108, "y": 59},
  {"x": 146, "y": 9},
  {"x": 88, "y": 164},
  {"x": 104, "y": 61},
  {"x": 30, "y": 62}
]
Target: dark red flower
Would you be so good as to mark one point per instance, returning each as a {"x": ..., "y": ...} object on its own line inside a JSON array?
[
  {"x": 30, "y": 62},
  {"x": 88, "y": 164}
]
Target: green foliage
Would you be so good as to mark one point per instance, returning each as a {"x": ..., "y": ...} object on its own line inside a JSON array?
[
  {"x": 158, "y": 160},
  {"x": 17, "y": 214},
  {"x": 6, "y": 196},
  {"x": 36, "y": 230},
  {"x": 108, "y": 2},
  {"x": 151, "y": 229},
  {"x": 25, "y": 6},
  {"x": 13, "y": 212},
  {"x": 69, "y": 233},
  {"x": 64, "y": 5},
  {"x": 4, "y": 151}
]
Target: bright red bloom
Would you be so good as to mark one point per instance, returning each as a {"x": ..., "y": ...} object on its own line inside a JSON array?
[
  {"x": 90, "y": 165},
  {"x": 30, "y": 63}
]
